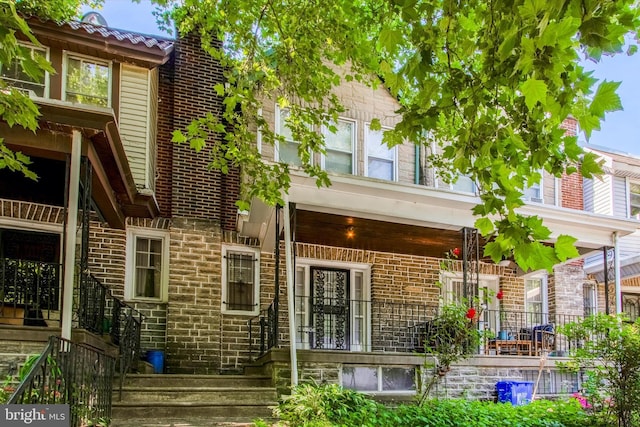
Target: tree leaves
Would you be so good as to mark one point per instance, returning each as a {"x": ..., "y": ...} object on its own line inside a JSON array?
[{"x": 534, "y": 91}]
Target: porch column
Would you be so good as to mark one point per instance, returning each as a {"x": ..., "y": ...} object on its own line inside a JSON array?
[
  {"x": 70, "y": 235},
  {"x": 618, "y": 276},
  {"x": 290, "y": 292}
]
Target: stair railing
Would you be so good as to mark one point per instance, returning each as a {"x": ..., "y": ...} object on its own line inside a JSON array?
[{"x": 70, "y": 373}]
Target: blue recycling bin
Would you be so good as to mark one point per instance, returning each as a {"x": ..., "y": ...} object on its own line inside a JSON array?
[
  {"x": 516, "y": 392},
  {"x": 156, "y": 359}
]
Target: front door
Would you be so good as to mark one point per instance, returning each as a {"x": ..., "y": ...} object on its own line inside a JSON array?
[{"x": 330, "y": 308}]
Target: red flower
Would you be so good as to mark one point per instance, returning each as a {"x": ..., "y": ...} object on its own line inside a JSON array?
[
  {"x": 455, "y": 252},
  {"x": 471, "y": 313},
  {"x": 500, "y": 295}
]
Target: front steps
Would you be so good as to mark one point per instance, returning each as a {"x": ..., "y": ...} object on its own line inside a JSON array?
[{"x": 191, "y": 400}]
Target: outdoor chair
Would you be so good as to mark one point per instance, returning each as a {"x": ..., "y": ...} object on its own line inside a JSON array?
[{"x": 543, "y": 337}]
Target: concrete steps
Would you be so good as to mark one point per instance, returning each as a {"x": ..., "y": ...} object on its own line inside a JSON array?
[{"x": 192, "y": 400}]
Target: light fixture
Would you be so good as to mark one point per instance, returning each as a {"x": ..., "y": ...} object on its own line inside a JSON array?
[{"x": 351, "y": 232}]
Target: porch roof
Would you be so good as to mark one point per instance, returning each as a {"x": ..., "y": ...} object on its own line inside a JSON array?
[{"x": 417, "y": 216}]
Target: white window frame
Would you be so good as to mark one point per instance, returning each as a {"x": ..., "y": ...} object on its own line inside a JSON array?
[
  {"x": 130, "y": 268},
  {"x": 544, "y": 294},
  {"x": 65, "y": 69},
  {"x": 354, "y": 138},
  {"x": 378, "y": 369},
  {"x": 278, "y": 123},
  {"x": 367, "y": 132},
  {"x": 301, "y": 301},
  {"x": 452, "y": 186},
  {"x": 629, "y": 204},
  {"x": 256, "y": 279},
  {"x": 45, "y": 51},
  {"x": 540, "y": 188},
  {"x": 592, "y": 289}
]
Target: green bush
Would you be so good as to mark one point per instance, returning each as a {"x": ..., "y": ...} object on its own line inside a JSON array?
[{"x": 331, "y": 405}]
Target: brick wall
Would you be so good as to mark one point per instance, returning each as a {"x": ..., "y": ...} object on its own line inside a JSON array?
[
  {"x": 571, "y": 186},
  {"x": 196, "y": 192}
]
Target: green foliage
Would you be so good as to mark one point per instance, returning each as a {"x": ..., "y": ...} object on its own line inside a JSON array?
[
  {"x": 331, "y": 405},
  {"x": 16, "y": 108},
  {"x": 324, "y": 405},
  {"x": 489, "y": 82},
  {"x": 608, "y": 349}
]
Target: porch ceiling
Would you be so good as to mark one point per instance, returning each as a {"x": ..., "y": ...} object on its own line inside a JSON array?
[{"x": 333, "y": 230}]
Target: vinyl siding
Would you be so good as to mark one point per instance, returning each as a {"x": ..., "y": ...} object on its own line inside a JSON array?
[
  {"x": 602, "y": 196},
  {"x": 620, "y": 202},
  {"x": 134, "y": 120}
]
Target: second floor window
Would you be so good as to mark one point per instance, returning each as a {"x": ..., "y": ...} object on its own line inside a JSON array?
[
  {"x": 381, "y": 160},
  {"x": 464, "y": 183},
  {"x": 87, "y": 81},
  {"x": 634, "y": 200},
  {"x": 339, "y": 146},
  {"x": 13, "y": 74},
  {"x": 287, "y": 149}
]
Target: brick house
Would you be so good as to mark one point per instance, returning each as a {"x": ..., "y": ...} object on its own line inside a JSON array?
[{"x": 161, "y": 233}]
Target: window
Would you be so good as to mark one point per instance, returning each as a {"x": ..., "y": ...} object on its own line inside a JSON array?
[
  {"x": 147, "y": 265},
  {"x": 634, "y": 200},
  {"x": 381, "y": 160},
  {"x": 287, "y": 149},
  {"x": 14, "y": 75},
  {"x": 87, "y": 81},
  {"x": 339, "y": 146},
  {"x": 464, "y": 183},
  {"x": 535, "y": 299},
  {"x": 240, "y": 278},
  {"x": 379, "y": 378},
  {"x": 534, "y": 192},
  {"x": 589, "y": 294}
]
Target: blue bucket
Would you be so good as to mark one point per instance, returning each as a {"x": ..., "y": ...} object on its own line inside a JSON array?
[{"x": 156, "y": 359}]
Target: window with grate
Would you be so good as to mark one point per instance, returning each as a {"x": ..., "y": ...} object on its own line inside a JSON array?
[{"x": 241, "y": 280}]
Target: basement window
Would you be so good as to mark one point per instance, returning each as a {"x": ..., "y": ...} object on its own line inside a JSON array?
[{"x": 379, "y": 379}]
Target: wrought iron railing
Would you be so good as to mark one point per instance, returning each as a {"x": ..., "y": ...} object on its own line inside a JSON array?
[
  {"x": 91, "y": 306},
  {"x": 74, "y": 374},
  {"x": 262, "y": 331},
  {"x": 385, "y": 326},
  {"x": 525, "y": 333},
  {"x": 129, "y": 340},
  {"x": 29, "y": 292}
]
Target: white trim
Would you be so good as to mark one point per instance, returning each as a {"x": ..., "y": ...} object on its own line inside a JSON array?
[
  {"x": 544, "y": 289},
  {"x": 256, "y": 279},
  {"x": 65, "y": 58},
  {"x": 259, "y": 135},
  {"x": 367, "y": 129},
  {"x": 129, "y": 286},
  {"x": 30, "y": 225},
  {"x": 354, "y": 139},
  {"x": 629, "y": 181}
]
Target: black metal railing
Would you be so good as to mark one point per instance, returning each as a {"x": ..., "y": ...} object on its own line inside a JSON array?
[
  {"x": 92, "y": 302},
  {"x": 262, "y": 331},
  {"x": 525, "y": 333},
  {"x": 29, "y": 292},
  {"x": 74, "y": 374},
  {"x": 129, "y": 340}
]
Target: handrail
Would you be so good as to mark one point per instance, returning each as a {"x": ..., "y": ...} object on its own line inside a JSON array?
[{"x": 71, "y": 373}]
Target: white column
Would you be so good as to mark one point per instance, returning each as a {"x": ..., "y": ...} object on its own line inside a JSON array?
[
  {"x": 71, "y": 235},
  {"x": 290, "y": 292},
  {"x": 616, "y": 269}
]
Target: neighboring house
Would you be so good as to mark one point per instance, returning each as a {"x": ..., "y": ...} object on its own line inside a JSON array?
[
  {"x": 164, "y": 234},
  {"x": 617, "y": 194}
]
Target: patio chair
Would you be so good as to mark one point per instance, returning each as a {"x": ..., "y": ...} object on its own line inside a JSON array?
[{"x": 543, "y": 337}]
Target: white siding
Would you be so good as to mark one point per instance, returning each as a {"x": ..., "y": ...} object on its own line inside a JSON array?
[
  {"x": 602, "y": 195},
  {"x": 620, "y": 202},
  {"x": 587, "y": 194},
  {"x": 135, "y": 111},
  {"x": 153, "y": 128}
]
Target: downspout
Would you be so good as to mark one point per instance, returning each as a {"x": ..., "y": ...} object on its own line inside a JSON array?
[
  {"x": 616, "y": 268},
  {"x": 290, "y": 291},
  {"x": 71, "y": 235}
]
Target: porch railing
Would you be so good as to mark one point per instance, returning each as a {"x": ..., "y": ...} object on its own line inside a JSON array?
[
  {"x": 70, "y": 373},
  {"x": 262, "y": 331},
  {"x": 29, "y": 292},
  {"x": 385, "y": 326}
]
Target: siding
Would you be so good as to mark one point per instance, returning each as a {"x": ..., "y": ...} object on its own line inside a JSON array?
[
  {"x": 620, "y": 197},
  {"x": 134, "y": 120},
  {"x": 587, "y": 189},
  {"x": 602, "y": 195}
]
